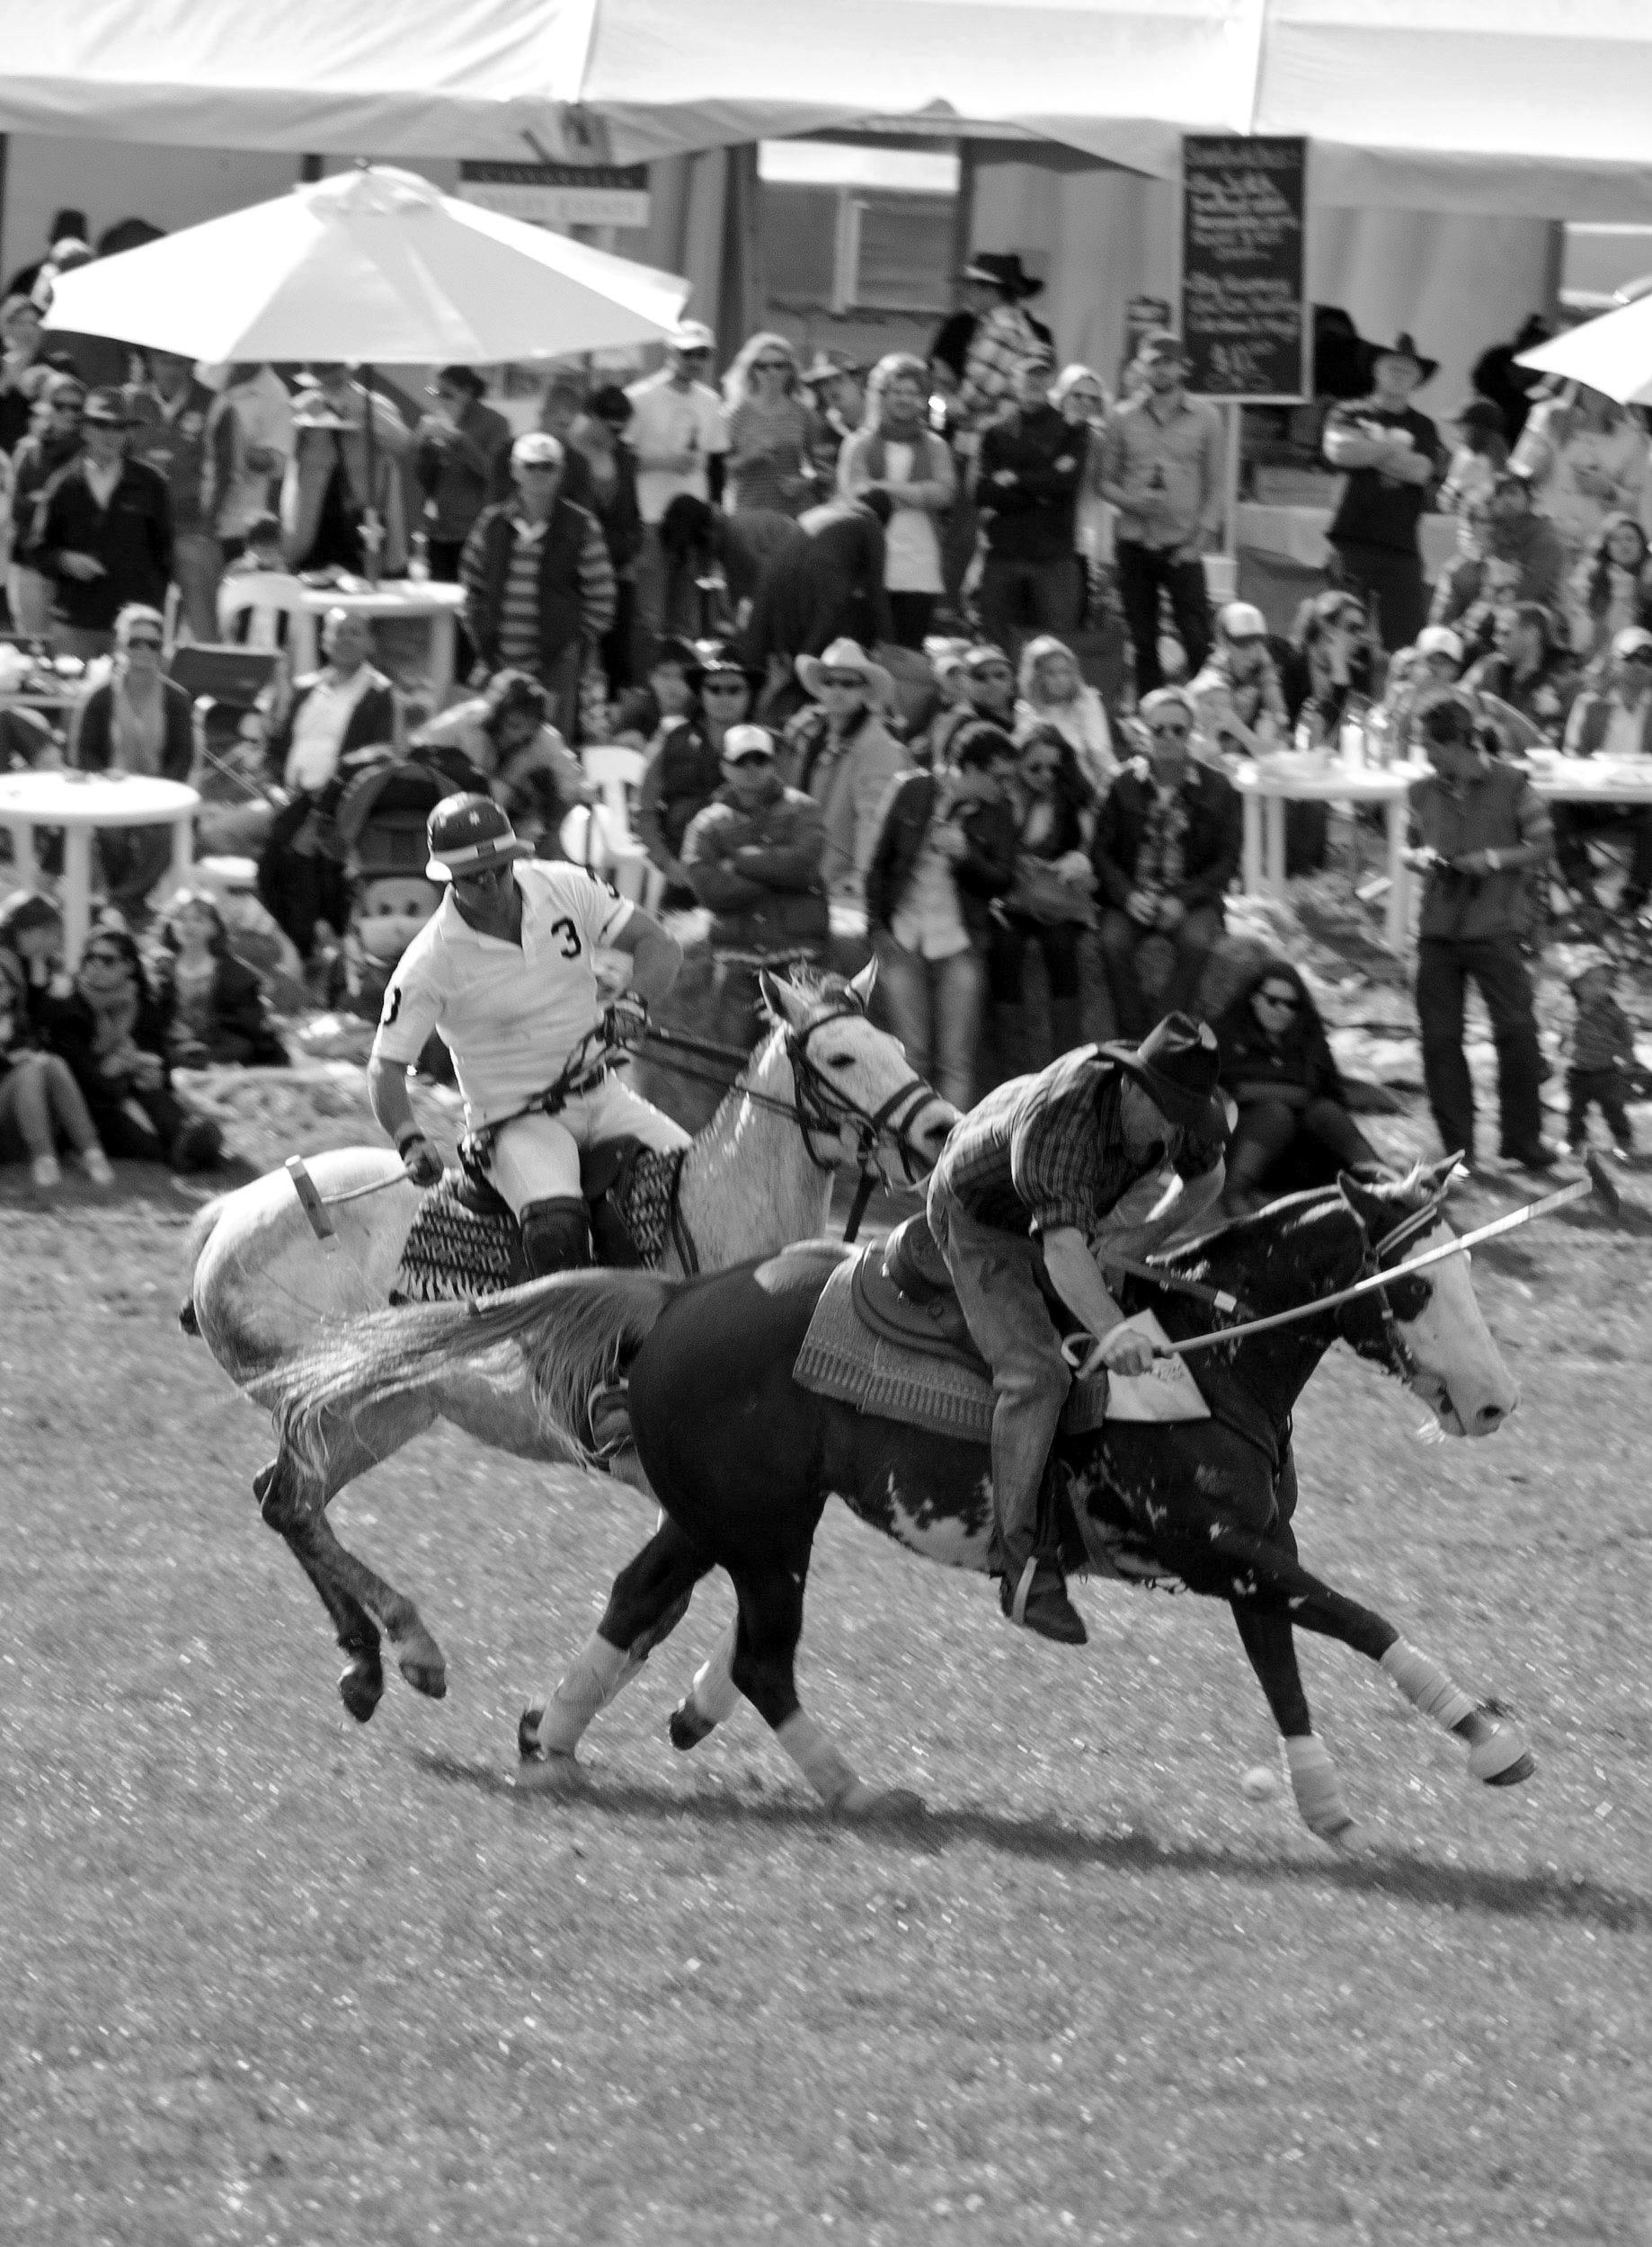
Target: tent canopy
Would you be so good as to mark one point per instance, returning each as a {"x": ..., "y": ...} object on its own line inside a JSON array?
[{"x": 1525, "y": 107}]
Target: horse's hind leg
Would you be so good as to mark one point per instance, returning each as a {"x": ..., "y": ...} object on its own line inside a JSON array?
[
  {"x": 362, "y": 1683},
  {"x": 711, "y": 1699},
  {"x": 765, "y": 1655},
  {"x": 1265, "y": 1628}
]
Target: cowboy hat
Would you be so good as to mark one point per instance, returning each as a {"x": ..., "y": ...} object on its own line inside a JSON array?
[
  {"x": 826, "y": 368},
  {"x": 1177, "y": 1065},
  {"x": 1003, "y": 270},
  {"x": 719, "y": 655},
  {"x": 1402, "y": 347},
  {"x": 847, "y": 656}
]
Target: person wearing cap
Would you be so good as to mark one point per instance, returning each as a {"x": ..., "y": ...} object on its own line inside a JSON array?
[
  {"x": 685, "y": 767},
  {"x": 192, "y": 437},
  {"x": 753, "y": 858},
  {"x": 1518, "y": 558},
  {"x": 539, "y": 590},
  {"x": 1529, "y": 669},
  {"x": 1389, "y": 455},
  {"x": 102, "y": 531},
  {"x": 1163, "y": 471},
  {"x": 1003, "y": 336},
  {"x": 844, "y": 756},
  {"x": 504, "y": 972},
  {"x": 598, "y": 442},
  {"x": 1238, "y": 700},
  {"x": 1612, "y": 721},
  {"x": 506, "y": 736},
  {"x": 680, "y": 438},
  {"x": 1585, "y": 456},
  {"x": 34, "y": 463},
  {"x": 1025, "y": 485},
  {"x": 457, "y": 449},
  {"x": 1479, "y": 835},
  {"x": 1032, "y": 1178}
]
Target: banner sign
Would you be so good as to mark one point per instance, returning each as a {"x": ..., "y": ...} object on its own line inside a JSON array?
[
  {"x": 560, "y": 195},
  {"x": 1244, "y": 309}
]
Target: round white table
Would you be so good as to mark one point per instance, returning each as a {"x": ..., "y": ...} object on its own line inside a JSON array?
[
  {"x": 80, "y": 803},
  {"x": 430, "y": 599},
  {"x": 1268, "y": 784}
]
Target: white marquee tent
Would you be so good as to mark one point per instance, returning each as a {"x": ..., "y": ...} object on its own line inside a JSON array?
[{"x": 1535, "y": 108}]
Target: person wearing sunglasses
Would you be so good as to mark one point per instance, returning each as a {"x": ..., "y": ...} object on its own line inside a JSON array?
[
  {"x": 1167, "y": 848},
  {"x": 137, "y": 721},
  {"x": 844, "y": 755},
  {"x": 772, "y": 428},
  {"x": 1294, "y": 1130},
  {"x": 685, "y": 768},
  {"x": 112, "y": 1033},
  {"x": 892, "y": 451},
  {"x": 678, "y": 436},
  {"x": 103, "y": 532},
  {"x": 36, "y": 460}
]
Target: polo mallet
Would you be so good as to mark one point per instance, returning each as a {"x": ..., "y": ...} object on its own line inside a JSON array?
[{"x": 316, "y": 1206}]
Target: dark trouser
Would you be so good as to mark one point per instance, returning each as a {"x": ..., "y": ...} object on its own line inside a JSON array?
[
  {"x": 1278, "y": 1145},
  {"x": 1444, "y": 966},
  {"x": 1120, "y": 938},
  {"x": 1575, "y": 822},
  {"x": 1018, "y": 598},
  {"x": 911, "y": 614},
  {"x": 1058, "y": 940},
  {"x": 618, "y": 646},
  {"x": 445, "y": 569},
  {"x": 1143, "y": 573},
  {"x": 1604, "y": 1088},
  {"x": 1396, "y": 579}
]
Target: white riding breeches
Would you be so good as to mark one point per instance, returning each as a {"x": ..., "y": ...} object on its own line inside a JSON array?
[{"x": 537, "y": 1158}]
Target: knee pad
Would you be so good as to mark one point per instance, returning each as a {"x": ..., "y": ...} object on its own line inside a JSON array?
[{"x": 555, "y": 1235}]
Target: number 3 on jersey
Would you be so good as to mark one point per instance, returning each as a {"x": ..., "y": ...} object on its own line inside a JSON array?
[{"x": 565, "y": 928}]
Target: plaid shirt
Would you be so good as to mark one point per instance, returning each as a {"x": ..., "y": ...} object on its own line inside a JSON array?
[
  {"x": 1050, "y": 1152},
  {"x": 997, "y": 349}
]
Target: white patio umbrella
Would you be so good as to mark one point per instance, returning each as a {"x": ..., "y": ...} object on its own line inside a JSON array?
[
  {"x": 375, "y": 267},
  {"x": 1612, "y": 353}
]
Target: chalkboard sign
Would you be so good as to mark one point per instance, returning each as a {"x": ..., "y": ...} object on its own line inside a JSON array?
[{"x": 1243, "y": 310}]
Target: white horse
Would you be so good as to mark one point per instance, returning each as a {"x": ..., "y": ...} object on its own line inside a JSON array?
[{"x": 824, "y": 1090}]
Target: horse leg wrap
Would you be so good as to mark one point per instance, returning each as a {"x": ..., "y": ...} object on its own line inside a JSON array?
[
  {"x": 820, "y": 1763},
  {"x": 600, "y": 1670},
  {"x": 1313, "y": 1780},
  {"x": 1426, "y": 1686},
  {"x": 714, "y": 1693},
  {"x": 1498, "y": 1751}
]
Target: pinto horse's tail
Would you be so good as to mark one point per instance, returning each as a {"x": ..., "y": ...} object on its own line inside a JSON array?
[{"x": 571, "y": 1332}]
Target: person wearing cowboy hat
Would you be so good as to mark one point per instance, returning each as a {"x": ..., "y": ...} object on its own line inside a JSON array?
[
  {"x": 1390, "y": 456},
  {"x": 844, "y": 756},
  {"x": 1003, "y": 336},
  {"x": 103, "y": 532},
  {"x": 504, "y": 972},
  {"x": 1024, "y": 1184},
  {"x": 679, "y": 435}
]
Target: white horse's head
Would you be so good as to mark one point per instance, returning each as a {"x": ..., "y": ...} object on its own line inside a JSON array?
[
  {"x": 855, "y": 1088},
  {"x": 1445, "y": 1353}
]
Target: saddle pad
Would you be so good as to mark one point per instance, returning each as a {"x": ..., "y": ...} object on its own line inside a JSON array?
[
  {"x": 840, "y": 1359},
  {"x": 455, "y": 1251}
]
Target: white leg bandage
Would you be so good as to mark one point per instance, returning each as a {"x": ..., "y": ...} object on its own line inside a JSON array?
[
  {"x": 1426, "y": 1686},
  {"x": 815, "y": 1755},
  {"x": 1313, "y": 1781},
  {"x": 714, "y": 1692},
  {"x": 600, "y": 1670}
]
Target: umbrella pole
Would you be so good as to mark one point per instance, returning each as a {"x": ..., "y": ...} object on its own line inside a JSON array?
[{"x": 372, "y": 529}]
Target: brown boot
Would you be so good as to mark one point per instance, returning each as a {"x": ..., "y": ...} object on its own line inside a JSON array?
[{"x": 1037, "y": 1598}]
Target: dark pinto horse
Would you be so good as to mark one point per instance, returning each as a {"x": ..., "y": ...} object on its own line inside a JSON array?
[{"x": 742, "y": 1459}]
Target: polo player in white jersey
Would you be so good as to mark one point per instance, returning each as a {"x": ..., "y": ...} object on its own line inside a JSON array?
[{"x": 505, "y": 972}]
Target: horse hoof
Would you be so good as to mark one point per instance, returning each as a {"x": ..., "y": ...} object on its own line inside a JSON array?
[
  {"x": 688, "y": 1727},
  {"x": 1339, "y": 1828},
  {"x": 880, "y": 1805},
  {"x": 1502, "y": 1759},
  {"x": 361, "y": 1686},
  {"x": 528, "y": 1733},
  {"x": 550, "y": 1776},
  {"x": 426, "y": 1674}
]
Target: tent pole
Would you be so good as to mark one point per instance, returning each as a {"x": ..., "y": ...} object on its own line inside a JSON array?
[{"x": 372, "y": 529}]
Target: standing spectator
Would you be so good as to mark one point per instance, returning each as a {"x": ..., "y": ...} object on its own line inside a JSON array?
[
  {"x": 103, "y": 532},
  {"x": 945, "y": 849},
  {"x": 1612, "y": 719},
  {"x": 1294, "y": 1130},
  {"x": 136, "y": 721},
  {"x": 1164, "y": 474},
  {"x": 39, "y": 1098},
  {"x": 896, "y": 454},
  {"x": 211, "y": 1006},
  {"x": 262, "y": 407},
  {"x": 714, "y": 564},
  {"x": 110, "y": 1032},
  {"x": 458, "y": 447},
  {"x": 539, "y": 584},
  {"x": 1519, "y": 557},
  {"x": 1167, "y": 846},
  {"x": 1478, "y": 833},
  {"x": 685, "y": 770},
  {"x": 1391, "y": 455},
  {"x": 192, "y": 438},
  {"x": 1002, "y": 339},
  {"x": 834, "y": 385},
  {"x": 844, "y": 756},
  {"x": 829, "y": 585},
  {"x": 1237, "y": 697},
  {"x": 950, "y": 344},
  {"x": 37, "y": 459},
  {"x": 1529, "y": 670},
  {"x": 1482, "y": 455},
  {"x": 1053, "y": 692},
  {"x": 771, "y": 429},
  {"x": 1610, "y": 587},
  {"x": 1052, "y": 899},
  {"x": 1081, "y": 396},
  {"x": 680, "y": 440},
  {"x": 598, "y": 438},
  {"x": 1509, "y": 386},
  {"x": 1027, "y": 475},
  {"x": 67, "y": 226},
  {"x": 325, "y": 495},
  {"x": 753, "y": 855},
  {"x": 1585, "y": 458},
  {"x": 1601, "y": 1056},
  {"x": 24, "y": 370}
]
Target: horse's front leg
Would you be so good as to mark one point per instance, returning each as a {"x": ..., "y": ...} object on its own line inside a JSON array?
[{"x": 1265, "y": 1629}]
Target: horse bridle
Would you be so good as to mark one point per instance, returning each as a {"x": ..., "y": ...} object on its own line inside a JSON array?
[{"x": 1398, "y": 1357}]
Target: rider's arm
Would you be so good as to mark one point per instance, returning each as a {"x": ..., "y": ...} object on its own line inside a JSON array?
[
  {"x": 1078, "y": 1281},
  {"x": 656, "y": 957},
  {"x": 386, "y": 1089}
]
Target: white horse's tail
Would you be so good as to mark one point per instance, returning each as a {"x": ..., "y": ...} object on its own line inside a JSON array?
[
  {"x": 195, "y": 1241},
  {"x": 571, "y": 1332}
]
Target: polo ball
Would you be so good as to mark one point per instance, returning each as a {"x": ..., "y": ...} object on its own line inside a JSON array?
[{"x": 1259, "y": 1783}]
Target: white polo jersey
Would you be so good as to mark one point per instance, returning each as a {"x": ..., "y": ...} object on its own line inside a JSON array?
[{"x": 510, "y": 1014}]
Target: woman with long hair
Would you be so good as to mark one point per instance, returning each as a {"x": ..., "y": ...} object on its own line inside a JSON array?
[
  {"x": 39, "y": 1098},
  {"x": 1051, "y": 900},
  {"x": 770, "y": 428},
  {"x": 894, "y": 451},
  {"x": 1294, "y": 1130},
  {"x": 110, "y": 1033},
  {"x": 1612, "y": 586},
  {"x": 685, "y": 768},
  {"x": 211, "y": 1006},
  {"x": 1053, "y": 691},
  {"x": 1080, "y": 394}
]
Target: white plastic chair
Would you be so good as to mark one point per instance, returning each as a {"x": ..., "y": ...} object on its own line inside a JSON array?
[
  {"x": 265, "y": 595},
  {"x": 608, "y": 842}
]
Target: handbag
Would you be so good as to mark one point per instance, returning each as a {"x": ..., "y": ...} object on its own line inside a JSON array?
[{"x": 1039, "y": 893}]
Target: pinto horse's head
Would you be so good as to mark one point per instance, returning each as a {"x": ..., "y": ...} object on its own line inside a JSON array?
[
  {"x": 854, "y": 1082},
  {"x": 1433, "y": 1338}
]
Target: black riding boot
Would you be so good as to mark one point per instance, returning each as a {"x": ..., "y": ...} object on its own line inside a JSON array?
[{"x": 555, "y": 1235}]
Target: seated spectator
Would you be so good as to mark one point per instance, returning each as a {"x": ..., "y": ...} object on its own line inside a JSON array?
[
  {"x": 32, "y": 944},
  {"x": 946, "y": 659},
  {"x": 1294, "y": 1130},
  {"x": 1482, "y": 451},
  {"x": 1052, "y": 899},
  {"x": 897, "y": 454},
  {"x": 1585, "y": 458},
  {"x": 137, "y": 721},
  {"x": 1238, "y": 698},
  {"x": 1436, "y": 664},
  {"x": 754, "y": 857},
  {"x": 945, "y": 850},
  {"x": 1612, "y": 587},
  {"x": 1519, "y": 559},
  {"x": 989, "y": 682},
  {"x": 685, "y": 770},
  {"x": 263, "y": 558},
  {"x": 1053, "y": 692},
  {"x": 211, "y": 1007},
  {"x": 110, "y": 1033},
  {"x": 1600, "y": 1057},
  {"x": 844, "y": 756},
  {"x": 1529, "y": 671},
  {"x": 1336, "y": 660},
  {"x": 1167, "y": 846},
  {"x": 1614, "y": 721},
  {"x": 506, "y": 737},
  {"x": 39, "y": 1101},
  {"x": 27, "y": 742}
]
